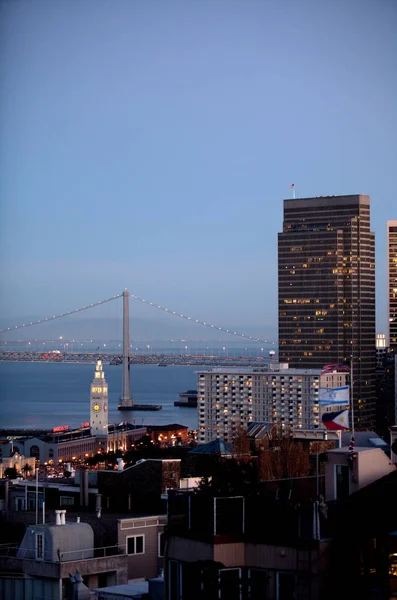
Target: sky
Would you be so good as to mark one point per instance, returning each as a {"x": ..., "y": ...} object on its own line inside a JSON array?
[{"x": 149, "y": 144}]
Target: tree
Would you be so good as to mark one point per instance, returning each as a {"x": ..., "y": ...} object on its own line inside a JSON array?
[
  {"x": 27, "y": 470},
  {"x": 230, "y": 477},
  {"x": 11, "y": 473},
  {"x": 241, "y": 445},
  {"x": 283, "y": 457}
]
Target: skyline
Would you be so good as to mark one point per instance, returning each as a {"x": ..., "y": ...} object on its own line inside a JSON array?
[{"x": 151, "y": 147}]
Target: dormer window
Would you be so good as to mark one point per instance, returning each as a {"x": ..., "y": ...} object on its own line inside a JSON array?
[{"x": 39, "y": 546}]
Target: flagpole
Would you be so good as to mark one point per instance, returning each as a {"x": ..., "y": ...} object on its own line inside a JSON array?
[
  {"x": 351, "y": 393},
  {"x": 339, "y": 434}
]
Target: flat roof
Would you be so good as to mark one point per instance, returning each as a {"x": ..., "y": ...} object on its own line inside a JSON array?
[
  {"x": 345, "y": 449},
  {"x": 260, "y": 371},
  {"x": 126, "y": 589},
  {"x": 347, "y": 199}
]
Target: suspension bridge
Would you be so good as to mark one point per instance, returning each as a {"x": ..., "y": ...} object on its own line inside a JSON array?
[{"x": 126, "y": 358}]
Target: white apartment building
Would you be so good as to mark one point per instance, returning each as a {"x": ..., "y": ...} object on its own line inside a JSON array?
[{"x": 232, "y": 397}]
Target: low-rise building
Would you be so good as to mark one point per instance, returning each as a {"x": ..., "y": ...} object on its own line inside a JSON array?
[
  {"x": 40, "y": 566},
  {"x": 22, "y": 465},
  {"x": 139, "y": 488},
  {"x": 143, "y": 539},
  {"x": 169, "y": 435}
]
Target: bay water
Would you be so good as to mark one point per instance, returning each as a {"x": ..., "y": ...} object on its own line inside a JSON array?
[{"x": 45, "y": 395}]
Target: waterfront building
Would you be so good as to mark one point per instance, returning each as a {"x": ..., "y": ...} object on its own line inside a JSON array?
[
  {"x": 65, "y": 445},
  {"x": 74, "y": 445},
  {"x": 392, "y": 282},
  {"x": 230, "y": 398},
  {"x": 19, "y": 463},
  {"x": 326, "y": 282}
]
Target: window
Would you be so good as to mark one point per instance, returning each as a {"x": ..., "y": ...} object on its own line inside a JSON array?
[
  {"x": 229, "y": 584},
  {"x": 257, "y": 581},
  {"x": 286, "y": 586},
  {"x": 35, "y": 451},
  {"x": 51, "y": 453},
  {"x": 39, "y": 546},
  {"x": 66, "y": 501},
  {"x": 136, "y": 544},
  {"x": 32, "y": 500},
  {"x": 341, "y": 482}
]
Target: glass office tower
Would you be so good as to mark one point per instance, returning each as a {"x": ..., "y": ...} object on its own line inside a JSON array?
[
  {"x": 392, "y": 282},
  {"x": 326, "y": 279}
]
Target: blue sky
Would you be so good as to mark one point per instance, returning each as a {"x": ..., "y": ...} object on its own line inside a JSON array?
[{"x": 149, "y": 144}]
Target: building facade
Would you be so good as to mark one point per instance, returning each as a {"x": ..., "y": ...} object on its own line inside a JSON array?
[
  {"x": 229, "y": 398},
  {"x": 143, "y": 540},
  {"x": 326, "y": 281},
  {"x": 99, "y": 403},
  {"x": 392, "y": 282},
  {"x": 74, "y": 445},
  {"x": 40, "y": 566},
  {"x": 381, "y": 348}
]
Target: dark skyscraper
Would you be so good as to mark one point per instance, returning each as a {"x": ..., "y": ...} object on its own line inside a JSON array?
[
  {"x": 392, "y": 282},
  {"x": 326, "y": 279}
]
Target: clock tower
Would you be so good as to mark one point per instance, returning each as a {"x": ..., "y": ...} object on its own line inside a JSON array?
[{"x": 99, "y": 403}]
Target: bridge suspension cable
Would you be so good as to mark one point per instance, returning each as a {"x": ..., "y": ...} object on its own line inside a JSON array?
[
  {"x": 198, "y": 321},
  {"x": 65, "y": 314},
  {"x": 142, "y": 300}
]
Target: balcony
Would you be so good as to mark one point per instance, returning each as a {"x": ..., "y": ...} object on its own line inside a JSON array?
[
  {"x": 90, "y": 561},
  {"x": 238, "y": 519}
]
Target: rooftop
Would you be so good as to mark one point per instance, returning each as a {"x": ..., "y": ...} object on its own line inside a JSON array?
[
  {"x": 127, "y": 590},
  {"x": 214, "y": 447},
  {"x": 345, "y": 449},
  {"x": 169, "y": 427},
  {"x": 267, "y": 370},
  {"x": 329, "y": 200}
]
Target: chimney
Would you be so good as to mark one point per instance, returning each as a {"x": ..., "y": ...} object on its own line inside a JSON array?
[
  {"x": 63, "y": 517},
  {"x": 78, "y": 519},
  {"x": 58, "y": 517}
]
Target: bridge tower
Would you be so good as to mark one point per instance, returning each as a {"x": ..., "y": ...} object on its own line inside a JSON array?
[{"x": 126, "y": 401}]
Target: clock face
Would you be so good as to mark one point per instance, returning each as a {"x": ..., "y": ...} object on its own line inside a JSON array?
[{"x": 96, "y": 407}]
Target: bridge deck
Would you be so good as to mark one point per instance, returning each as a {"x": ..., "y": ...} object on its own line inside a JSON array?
[{"x": 138, "y": 359}]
